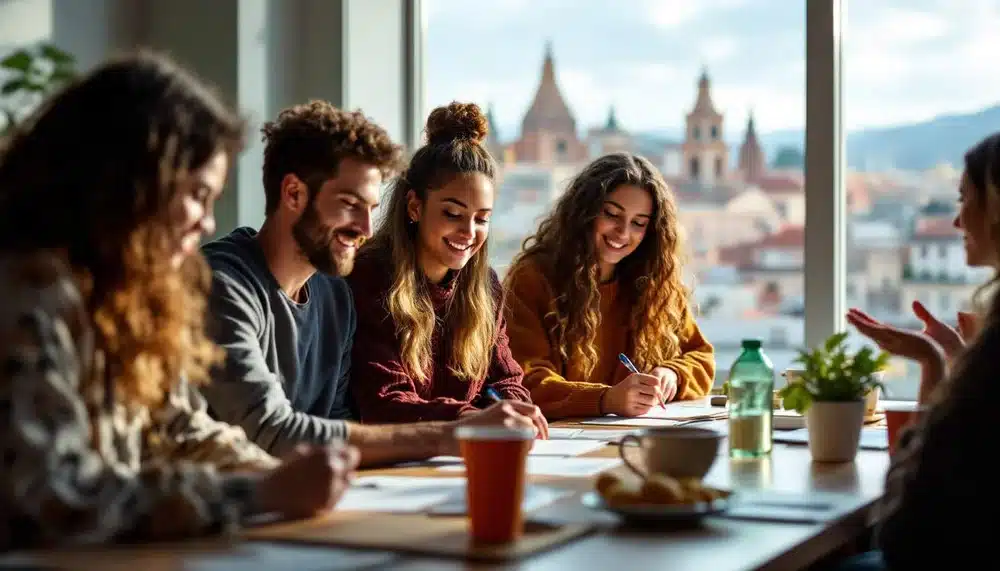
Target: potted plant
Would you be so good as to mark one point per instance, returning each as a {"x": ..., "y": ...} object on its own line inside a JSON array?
[
  {"x": 830, "y": 390},
  {"x": 29, "y": 75}
]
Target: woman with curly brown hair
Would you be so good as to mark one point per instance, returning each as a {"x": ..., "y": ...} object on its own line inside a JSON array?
[
  {"x": 431, "y": 335},
  {"x": 105, "y": 194},
  {"x": 602, "y": 277}
]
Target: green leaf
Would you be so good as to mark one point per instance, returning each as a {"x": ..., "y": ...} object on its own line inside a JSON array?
[
  {"x": 14, "y": 85},
  {"x": 56, "y": 55},
  {"x": 20, "y": 61}
]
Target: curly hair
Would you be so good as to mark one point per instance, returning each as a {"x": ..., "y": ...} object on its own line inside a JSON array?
[
  {"x": 92, "y": 173},
  {"x": 454, "y": 147},
  {"x": 650, "y": 279},
  {"x": 311, "y": 139}
]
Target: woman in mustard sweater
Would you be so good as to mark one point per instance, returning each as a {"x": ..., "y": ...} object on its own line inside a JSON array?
[{"x": 602, "y": 276}]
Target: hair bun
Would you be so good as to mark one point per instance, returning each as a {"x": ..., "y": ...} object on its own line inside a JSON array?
[{"x": 457, "y": 122}]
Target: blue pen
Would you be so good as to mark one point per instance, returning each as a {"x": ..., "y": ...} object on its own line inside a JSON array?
[
  {"x": 493, "y": 394},
  {"x": 631, "y": 367},
  {"x": 627, "y": 362}
]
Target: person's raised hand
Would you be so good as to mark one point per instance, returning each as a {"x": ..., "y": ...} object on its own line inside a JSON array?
[{"x": 968, "y": 325}]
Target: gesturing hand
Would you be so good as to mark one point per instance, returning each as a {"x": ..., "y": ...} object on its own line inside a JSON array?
[
  {"x": 968, "y": 325},
  {"x": 951, "y": 341},
  {"x": 914, "y": 345}
]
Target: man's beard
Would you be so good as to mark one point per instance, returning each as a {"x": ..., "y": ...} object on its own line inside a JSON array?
[{"x": 315, "y": 240}]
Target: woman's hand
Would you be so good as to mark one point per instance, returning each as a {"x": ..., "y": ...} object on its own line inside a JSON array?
[
  {"x": 914, "y": 345},
  {"x": 668, "y": 382},
  {"x": 634, "y": 396}
]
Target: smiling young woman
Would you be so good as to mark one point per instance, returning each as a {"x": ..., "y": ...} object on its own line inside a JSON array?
[
  {"x": 600, "y": 277},
  {"x": 431, "y": 333}
]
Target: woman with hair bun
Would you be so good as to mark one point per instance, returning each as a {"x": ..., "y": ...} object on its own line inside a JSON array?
[{"x": 431, "y": 341}]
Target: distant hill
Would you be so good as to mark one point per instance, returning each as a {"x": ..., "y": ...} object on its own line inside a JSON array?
[{"x": 915, "y": 146}]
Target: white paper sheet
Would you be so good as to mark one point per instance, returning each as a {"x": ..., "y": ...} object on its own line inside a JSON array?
[
  {"x": 535, "y": 497},
  {"x": 564, "y": 447},
  {"x": 625, "y": 421},
  {"x": 439, "y": 496},
  {"x": 564, "y": 433},
  {"x": 557, "y": 466},
  {"x": 412, "y": 495},
  {"x": 603, "y": 435},
  {"x": 686, "y": 411}
]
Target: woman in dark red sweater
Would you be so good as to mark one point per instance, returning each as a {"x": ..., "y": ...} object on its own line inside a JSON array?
[{"x": 431, "y": 337}]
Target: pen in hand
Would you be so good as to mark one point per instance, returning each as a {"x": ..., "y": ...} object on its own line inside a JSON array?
[
  {"x": 493, "y": 395},
  {"x": 631, "y": 367}
]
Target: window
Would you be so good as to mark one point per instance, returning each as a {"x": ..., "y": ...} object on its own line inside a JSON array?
[
  {"x": 935, "y": 69},
  {"x": 683, "y": 86}
]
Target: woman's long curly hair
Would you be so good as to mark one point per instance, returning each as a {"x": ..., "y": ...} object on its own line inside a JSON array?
[
  {"x": 649, "y": 280},
  {"x": 92, "y": 174},
  {"x": 455, "y": 134}
]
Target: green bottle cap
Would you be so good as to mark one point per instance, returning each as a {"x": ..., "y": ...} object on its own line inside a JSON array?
[{"x": 752, "y": 344}]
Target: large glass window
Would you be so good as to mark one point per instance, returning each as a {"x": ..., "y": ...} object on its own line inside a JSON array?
[
  {"x": 919, "y": 89},
  {"x": 713, "y": 92}
]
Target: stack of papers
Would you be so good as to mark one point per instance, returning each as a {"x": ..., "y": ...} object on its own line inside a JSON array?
[{"x": 672, "y": 414}]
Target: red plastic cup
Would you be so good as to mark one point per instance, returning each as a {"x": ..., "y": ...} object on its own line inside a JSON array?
[
  {"x": 495, "y": 469},
  {"x": 898, "y": 415}
]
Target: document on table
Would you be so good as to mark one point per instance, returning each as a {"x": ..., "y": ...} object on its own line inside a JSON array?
[
  {"x": 557, "y": 466},
  {"x": 399, "y": 495},
  {"x": 439, "y": 496},
  {"x": 593, "y": 434},
  {"x": 559, "y": 448},
  {"x": 564, "y": 447},
  {"x": 672, "y": 414},
  {"x": 534, "y": 497}
]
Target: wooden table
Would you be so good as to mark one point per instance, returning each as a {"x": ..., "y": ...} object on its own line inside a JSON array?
[{"x": 720, "y": 545}]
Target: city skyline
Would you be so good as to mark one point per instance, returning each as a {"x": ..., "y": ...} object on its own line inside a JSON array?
[{"x": 927, "y": 57}]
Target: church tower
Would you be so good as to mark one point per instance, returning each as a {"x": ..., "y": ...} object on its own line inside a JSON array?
[
  {"x": 752, "y": 162},
  {"x": 493, "y": 137},
  {"x": 548, "y": 130},
  {"x": 706, "y": 156}
]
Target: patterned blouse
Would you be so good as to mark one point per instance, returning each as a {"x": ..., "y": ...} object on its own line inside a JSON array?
[{"x": 82, "y": 468}]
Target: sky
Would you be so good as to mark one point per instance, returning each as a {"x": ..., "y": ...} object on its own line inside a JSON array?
[{"x": 904, "y": 60}]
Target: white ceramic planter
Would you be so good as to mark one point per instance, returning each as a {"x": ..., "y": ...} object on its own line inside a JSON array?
[{"x": 835, "y": 430}]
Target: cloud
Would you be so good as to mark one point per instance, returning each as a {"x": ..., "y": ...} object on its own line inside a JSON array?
[
  {"x": 718, "y": 49},
  {"x": 671, "y": 14}
]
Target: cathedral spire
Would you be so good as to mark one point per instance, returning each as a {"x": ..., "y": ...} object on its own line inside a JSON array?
[{"x": 548, "y": 109}]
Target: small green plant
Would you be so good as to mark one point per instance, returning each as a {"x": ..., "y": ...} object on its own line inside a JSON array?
[
  {"x": 831, "y": 373},
  {"x": 29, "y": 74}
]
